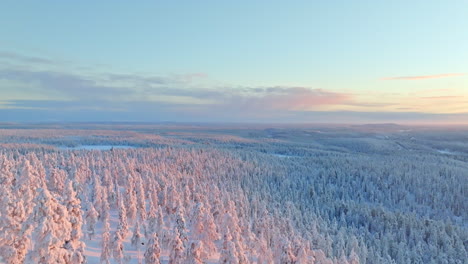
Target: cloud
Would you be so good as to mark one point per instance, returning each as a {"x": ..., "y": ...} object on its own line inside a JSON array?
[
  {"x": 176, "y": 88},
  {"x": 143, "y": 98},
  {"x": 110, "y": 96},
  {"x": 449, "y": 97},
  {"x": 150, "y": 112},
  {"x": 424, "y": 77},
  {"x": 22, "y": 58},
  {"x": 151, "y": 98},
  {"x": 71, "y": 85},
  {"x": 137, "y": 79},
  {"x": 288, "y": 98},
  {"x": 371, "y": 105}
]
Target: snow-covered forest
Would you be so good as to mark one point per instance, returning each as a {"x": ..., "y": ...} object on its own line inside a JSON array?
[{"x": 100, "y": 193}]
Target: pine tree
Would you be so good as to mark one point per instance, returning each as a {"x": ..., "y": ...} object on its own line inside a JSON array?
[
  {"x": 302, "y": 255},
  {"x": 287, "y": 256},
  {"x": 152, "y": 225},
  {"x": 131, "y": 200},
  {"x": 136, "y": 237},
  {"x": 74, "y": 245},
  {"x": 353, "y": 258},
  {"x": 194, "y": 254},
  {"x": 123, "y": 224},
  {"x": 105, "y": 244},
  {"x": 104, "y": 210},
  {"x": 52, "y": 230},
  {"x": 181, "y": 225},
  {"x": 160, "y": 217},
  {"x": 204, "y": 229},
  {"x": 141, "y": 200},
  {"x": 264, "y": 253},
  {"x": 91, "y": 219},
  {"x": 176, "y": 255},
  {"x": 229, "y": 254},
  {"x": 153, "y": 252},
  {"x": 13, "y": 240},
  {"x": 117, "y": 247},
  {"x": 57, "y": 180}
]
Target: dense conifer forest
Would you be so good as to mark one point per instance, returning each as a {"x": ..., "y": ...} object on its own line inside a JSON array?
[{"x": 107, "y": 193}]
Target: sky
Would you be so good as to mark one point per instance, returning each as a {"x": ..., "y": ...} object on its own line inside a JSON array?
[{"x": 334, "y": 61}]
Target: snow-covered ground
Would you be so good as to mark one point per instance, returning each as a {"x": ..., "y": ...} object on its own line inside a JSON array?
[
  {"x": 344, "y": 198},
  {"x": 133, "y": 254},
  {"x": 282, "y": 155},
  {"x": 97, "y": 147},
  {"x": 446, "y": 152}
]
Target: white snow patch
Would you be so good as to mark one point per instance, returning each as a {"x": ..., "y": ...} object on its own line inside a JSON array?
[
  {"x": 282, "y": 155},
  {"x": 97, "y": 147},
  {"x": 132, "y": 254},
  {"x": 447, "y": 152}
]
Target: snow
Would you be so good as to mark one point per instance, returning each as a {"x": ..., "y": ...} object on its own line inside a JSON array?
[
  {"x": 282, "y": 155},
  {"x": 93, "y": 246},
  {"x": 446, "y": 152},
  {"x": 359, "y": 188},
  {"x": 97, "y": 147},
  {"x": 133, "y": 255}
]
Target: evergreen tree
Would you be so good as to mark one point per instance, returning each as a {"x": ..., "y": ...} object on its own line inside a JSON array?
[
  {"x": 194, "y": 254},
  {"x": 106, "y": 245},
  {"x": 123, "y": 224},
  {"x": 51, "y": 230},
  {"x": 75, "y": 245},
  {"x": 91, "y": 219},
  {"x": 176, "y": 255},
  {"x": 153, "y": 252},
  {"x": 117, "y": 247}
]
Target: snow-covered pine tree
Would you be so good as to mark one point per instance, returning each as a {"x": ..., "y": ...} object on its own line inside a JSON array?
[
  {"x": 130, "y": 199},
  {"x": 104, "y": 210},
  {"x": 151, "y": 223},
  {"x": 140, "y": 199},
  {"x": 136, "y": 237},
  {"x": 194, "y": 253},
  {"x": 181, "y": 224},
  {"x": 265, "y": 255},
  {"x": 13, "y": 241},
  {"x": 177, "y": 249},
  {"x": 91, "y": 218},
  {"x": 123, "y": 224},
  {"x": 204, "y": 228},
  {"x": 287, "y": 255},
  {"x": 105, "y": 245},
  {"x": 56, "y": 182},
  {"x": 51, "y": 230},
  {"x": 153, "y": 252},
  {"x": 74, "y": 244},
  {"x": 228, "y": 253},
  {"x": 117, "y": 247}
]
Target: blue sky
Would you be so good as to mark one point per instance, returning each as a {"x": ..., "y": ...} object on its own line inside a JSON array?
[{"x": 256, "y": 61}]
